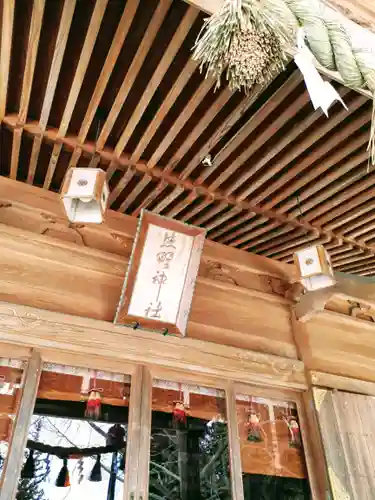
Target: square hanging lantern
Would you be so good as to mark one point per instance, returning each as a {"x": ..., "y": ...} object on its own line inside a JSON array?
[
  {"x": 163, "y": 269},
  {"x": 314, "y": 268},
  {"x": 85, "y": 194}
]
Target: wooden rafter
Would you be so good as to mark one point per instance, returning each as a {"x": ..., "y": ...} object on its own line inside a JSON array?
[
  {"x": 110, "y": 62},
  {"x": 61, "y": 41},
  {"x": 216, "y": 196},
  {"x": 155, "y": 24},
  {"x": 83, "y": 63},
  {"x": 32, "y": 51},
  {"x": 5, "y": 52},
  {"x": 281, "y": 175},
  {"x": 155, "y": 81}
]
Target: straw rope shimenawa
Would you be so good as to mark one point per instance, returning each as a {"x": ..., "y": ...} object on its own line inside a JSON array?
[{"x": 249, "y": 40}]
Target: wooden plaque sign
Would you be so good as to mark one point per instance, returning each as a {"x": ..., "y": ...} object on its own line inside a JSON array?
[{"x": 160, "y": 281}]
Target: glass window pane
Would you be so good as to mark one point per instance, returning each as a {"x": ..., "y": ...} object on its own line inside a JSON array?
[
  {"x": 11, "y": 371},
  {"x": 272, "y": 455},
  {"x": 77, "y": 437},
  {"x": 189, "y": 457}
]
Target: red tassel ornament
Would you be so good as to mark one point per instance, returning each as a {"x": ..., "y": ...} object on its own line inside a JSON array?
[
  {"x": 179, "y": 414},
  {"x": 93, "y": 406}
]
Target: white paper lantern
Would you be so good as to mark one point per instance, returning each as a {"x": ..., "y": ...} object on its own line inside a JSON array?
[
  {"x": 85, "y": 195},
  {"x": 314, "y": 267}
]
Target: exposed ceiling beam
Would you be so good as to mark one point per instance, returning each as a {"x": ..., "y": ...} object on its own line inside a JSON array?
[
  {"x": 61, "y": 41},
  {"x": 361, "y": 12},
  {"x": 27, "y": 81},
  {"x": 188, "y": 185},
  {"x": 84, "y": 59},
  {"x": 5, "y": 51}
]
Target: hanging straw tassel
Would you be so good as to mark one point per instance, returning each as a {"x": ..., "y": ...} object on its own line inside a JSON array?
[
  {"x": 63, "y": 480},
  {"x": 243, "y": 41},
  {"x": 28, "y": 470},
  {"x": 96, "y": 473}
]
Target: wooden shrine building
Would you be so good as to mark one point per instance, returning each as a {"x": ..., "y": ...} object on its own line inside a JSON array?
[{"x": 270, "y": 392}]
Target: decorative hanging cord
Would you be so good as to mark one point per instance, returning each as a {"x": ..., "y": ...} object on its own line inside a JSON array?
[
  {"x": 71, "y": 452},
  {"x": 249, "y": 40}
]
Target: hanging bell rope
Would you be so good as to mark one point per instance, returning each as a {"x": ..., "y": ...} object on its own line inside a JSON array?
[{"x": 248, "y": 40}]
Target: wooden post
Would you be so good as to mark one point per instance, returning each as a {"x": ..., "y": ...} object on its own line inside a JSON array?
[
  {"x": 14, "y": 460},
  {"x": 134, "y": 431},
  {"x": 311, "y": 436},
  {"x": 234, "y": 445},
  {"x": 144, "y": 447}
]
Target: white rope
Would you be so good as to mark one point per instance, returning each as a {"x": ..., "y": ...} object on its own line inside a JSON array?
[{"x": 337, "y": 43}]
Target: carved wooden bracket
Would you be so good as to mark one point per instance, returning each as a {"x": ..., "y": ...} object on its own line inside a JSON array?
[
  {"x": 357, "y": 291},
  {"x": 311, "y": 303}
]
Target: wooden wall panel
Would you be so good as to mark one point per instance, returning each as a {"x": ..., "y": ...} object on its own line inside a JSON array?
[
  {"x": 342, "y": 346},
  {"x": 47, "y": 273},
  {"x": 239, "y": 299},
  {"x": 254, "y": 322},
  {"x": 347, "y": 425},
  {"x": 336, "y": 464}
]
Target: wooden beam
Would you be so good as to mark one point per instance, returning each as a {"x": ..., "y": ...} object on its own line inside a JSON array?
[
  {"x": 42, "y": 329},
  {"x": 5, "y": 52},
  {"x": 110, "y": 62},
  {"x": 260, "y": 116},
  {"x": 305, "y": 142},
  {"x": 361, "y": 12},
  {"x": 203, "y": 89},
  {"x": 188, "y": 185},
  {"x": 32, "y": 209},
  {"x": 84, "y": 59},
  {"x": 14, "y": 459},
  {"x": 164, "y": 108},
  {"x": 159, "y": 73},
  {"x": 322, "y": 379},
  {"x": 32, "y": 51},
  {"x": 289, "y": 183},
  {"x": 143, "y": 49},
  {"x": 61, "y": 41},
  {"x": 27, "y": 81}
]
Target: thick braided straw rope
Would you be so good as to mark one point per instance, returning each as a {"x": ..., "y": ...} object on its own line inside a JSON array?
[{"x": 337, "y": 43}]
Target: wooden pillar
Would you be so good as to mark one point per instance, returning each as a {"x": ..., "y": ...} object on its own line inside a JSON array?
[
  {"x": 134, "y": 432},
  {"x": 312, "y": 440},
  {"x": 14, "y": 460},
  {"x": 234, "y": 445},
  {"x": 144, "y": 448}
]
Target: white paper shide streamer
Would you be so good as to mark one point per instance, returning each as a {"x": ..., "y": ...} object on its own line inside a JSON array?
[{"x": 322, "y": 93}]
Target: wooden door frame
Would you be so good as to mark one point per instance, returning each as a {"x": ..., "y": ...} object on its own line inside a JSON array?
[
  {"x": 231, "y": 388},
  {"x": 61, "y": 338},
  {"x": 35, "y": 359}
]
